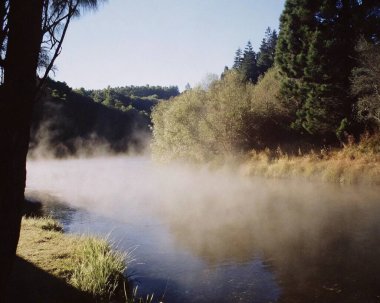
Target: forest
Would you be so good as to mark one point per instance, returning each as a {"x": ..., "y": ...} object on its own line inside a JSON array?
[{"x": 311, "y": 88}]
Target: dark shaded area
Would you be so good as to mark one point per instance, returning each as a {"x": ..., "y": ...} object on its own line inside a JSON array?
[
  {"x": 32, "y": 208},
  {"x": 65, "y": 122},
  {"x": 19, "y": 46},
  {"x": 33, "y": 285},
  {"x": 39, "y": 204}
]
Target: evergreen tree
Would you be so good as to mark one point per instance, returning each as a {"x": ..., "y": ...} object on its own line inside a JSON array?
[
  {"x": 249, "y": 64},
  {"x": 238, "y": 59},
  {"x": 265, "y": 57},
  {"x": 315, "y": 53}
]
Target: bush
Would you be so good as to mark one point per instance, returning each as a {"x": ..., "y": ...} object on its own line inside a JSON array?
[
  {"x": 228, "y": 117},
  {"x": 268, "y": 119}
]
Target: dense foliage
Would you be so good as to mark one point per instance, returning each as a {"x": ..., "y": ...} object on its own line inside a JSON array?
[
  {"x": 316, "y": 55},
  {"x": 229, "y": 117},
  {"x": 66, "y": 122},
  {"x": 124, "y": 98},
  {"x": 252, "y": 65}
]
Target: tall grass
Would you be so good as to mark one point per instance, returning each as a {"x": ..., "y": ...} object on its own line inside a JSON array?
[
  {"x": 98, "y": 269},
  {"x": 352, "y": 164},
  {"x": 134, "y": 298}
]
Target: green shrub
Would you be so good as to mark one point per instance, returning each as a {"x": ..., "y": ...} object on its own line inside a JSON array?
[{"x": 229, "y": 117}]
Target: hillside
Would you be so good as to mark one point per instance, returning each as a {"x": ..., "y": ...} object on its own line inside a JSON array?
[{"x": 68, "y": 122}]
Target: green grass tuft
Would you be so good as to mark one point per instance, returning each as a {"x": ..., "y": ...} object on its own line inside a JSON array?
[{"x": 98, "y": 268}]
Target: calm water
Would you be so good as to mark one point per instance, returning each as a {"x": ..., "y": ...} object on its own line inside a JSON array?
[{"x": 201, "y": 236}]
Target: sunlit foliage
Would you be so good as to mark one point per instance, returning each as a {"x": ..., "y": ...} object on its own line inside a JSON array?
[{"x": 228, "y": 118}]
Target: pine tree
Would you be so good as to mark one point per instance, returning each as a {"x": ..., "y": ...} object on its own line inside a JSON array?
[
  {"x": 315, "y": 53},
  {"x": 249, "y": 68},
  {"x": 265, "y": 57},
  {"x": 238, "y": 59}
]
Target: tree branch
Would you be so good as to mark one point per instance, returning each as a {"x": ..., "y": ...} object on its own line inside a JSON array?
[{"x": 71, "y": 10}]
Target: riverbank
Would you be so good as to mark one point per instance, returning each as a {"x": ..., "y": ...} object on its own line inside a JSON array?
[
  {"x": 352, "y": 164},
  {"x": 55, "y": 267}
]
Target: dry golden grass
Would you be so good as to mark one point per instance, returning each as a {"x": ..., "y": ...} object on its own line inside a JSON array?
[{"x": 352, "y": 164}]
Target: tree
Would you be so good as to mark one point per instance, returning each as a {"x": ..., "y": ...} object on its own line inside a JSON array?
[
  {"x": 315, "y": 53},
  {"x": 265, "y": 56},
  {"x": 249, "y": 64},
  {"x": 238, "y": 59},
  {"x": 31, "y": 36}
]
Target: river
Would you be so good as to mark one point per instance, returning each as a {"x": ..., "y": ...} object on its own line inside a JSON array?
[{"x": 202, "y": 235}]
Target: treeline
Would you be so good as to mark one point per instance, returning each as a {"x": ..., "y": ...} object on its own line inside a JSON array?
[
  {"x": 67, "y": 122},
  {"x": 314, "y": 85},
  {"x": 142, "y": 98},
  {"x": 252, "y": 65}
]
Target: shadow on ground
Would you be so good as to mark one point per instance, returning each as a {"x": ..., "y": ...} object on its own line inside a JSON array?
[{"x": 32, "y": 285}]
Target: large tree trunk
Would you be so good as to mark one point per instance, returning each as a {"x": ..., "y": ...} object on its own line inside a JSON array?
[{"x": 16, "y": 103}]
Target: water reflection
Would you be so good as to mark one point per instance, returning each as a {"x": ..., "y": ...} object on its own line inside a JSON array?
[{"x": 321, "y": 242}]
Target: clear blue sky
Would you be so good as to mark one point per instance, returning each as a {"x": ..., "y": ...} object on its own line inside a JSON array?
[{"x": 161, "y": 42}]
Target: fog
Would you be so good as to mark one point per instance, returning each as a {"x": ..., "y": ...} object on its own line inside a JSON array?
[{"x": 319, "y": 239}]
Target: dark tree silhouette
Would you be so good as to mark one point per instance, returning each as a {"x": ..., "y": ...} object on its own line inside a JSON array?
[{"x": 31, "y": 35}]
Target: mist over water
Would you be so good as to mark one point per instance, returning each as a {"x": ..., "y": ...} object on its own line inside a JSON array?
[{"x": 218, "y": 236}]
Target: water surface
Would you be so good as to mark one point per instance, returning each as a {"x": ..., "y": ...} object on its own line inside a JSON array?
[{"x": 214, "y": 236}]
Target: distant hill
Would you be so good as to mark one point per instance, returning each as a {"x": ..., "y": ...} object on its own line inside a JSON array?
[
  {"x": 142, "y": 98},
  {"x": 68, "y": 122}
]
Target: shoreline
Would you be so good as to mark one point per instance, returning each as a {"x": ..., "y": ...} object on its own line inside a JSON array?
[
  {"x": 57, "y": 258},
  {"x": 347, "y": 166}
]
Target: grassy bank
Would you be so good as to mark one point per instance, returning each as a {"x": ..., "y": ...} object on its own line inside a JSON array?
[
  {"x": 352, "y": 164},
  {"x": 86, "y": 264}
]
